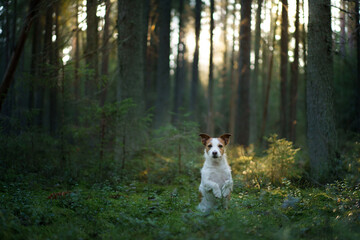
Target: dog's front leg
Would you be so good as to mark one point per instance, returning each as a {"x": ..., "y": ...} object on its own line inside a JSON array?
[
  {"x": 227, "y": 188},
  {"x": 212, "y": 186}
]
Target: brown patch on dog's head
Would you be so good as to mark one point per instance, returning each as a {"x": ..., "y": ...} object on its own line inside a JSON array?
[
  {"x": 204, "y": 138},
  {"x": 225, "y": 138}
]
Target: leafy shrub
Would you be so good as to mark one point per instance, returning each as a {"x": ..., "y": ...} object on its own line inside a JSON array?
[
  {"x": 347, "y": 197},
  {"x": 278, "y": 163}
]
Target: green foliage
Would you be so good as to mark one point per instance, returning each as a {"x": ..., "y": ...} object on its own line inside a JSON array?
[
  {"x": 276, "y": 164},
  {"x": 280, "y": 159},
  {"x": 134, "y": 210},
  {"x": 173, "y": 151}
]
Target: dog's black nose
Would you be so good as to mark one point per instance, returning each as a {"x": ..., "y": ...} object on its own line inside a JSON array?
[{"x": 214, "y": 154}]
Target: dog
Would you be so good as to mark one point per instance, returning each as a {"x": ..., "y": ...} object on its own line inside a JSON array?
[{"x": 216, "y": 181}]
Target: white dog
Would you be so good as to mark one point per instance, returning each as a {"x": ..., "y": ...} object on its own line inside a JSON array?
[{"x": 216, "y": 181}]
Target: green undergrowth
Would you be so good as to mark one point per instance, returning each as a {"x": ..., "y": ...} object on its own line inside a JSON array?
[{"x": 137, "y": 210}]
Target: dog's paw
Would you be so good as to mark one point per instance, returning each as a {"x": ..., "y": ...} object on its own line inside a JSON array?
[
  {"x": 228, "y": 184},
  {"x": 217, "y": 192},
  {"x": 225, "y": 191}
]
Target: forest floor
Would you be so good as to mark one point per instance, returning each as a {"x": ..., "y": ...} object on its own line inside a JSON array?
[{"x": 134, "y": 210}]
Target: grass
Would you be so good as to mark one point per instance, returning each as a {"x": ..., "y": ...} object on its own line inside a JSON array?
[{"x": 136, "y": 210}]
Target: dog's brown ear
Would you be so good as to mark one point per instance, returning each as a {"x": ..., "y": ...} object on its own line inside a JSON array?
[
  {"x": 204, "y": 138},
  {"x": 226, "y": 138}
]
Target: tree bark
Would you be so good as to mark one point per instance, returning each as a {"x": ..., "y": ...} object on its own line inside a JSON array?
[
  {"x": 76, "y": 51},
  {"x": 284, "y": 68},
  {"x": 357, "y": 37},
  {"x": 179, "y": 74},
  {"x": 224, "y": 72},
  {"x": 210, "y": 118},
  {"x": 243, "y": 110},
  {"x": 163, "y": 67},
  {"x": 8, "y": 77},
  {"x": 255, "y": 78},
  {"x": 195, "y": 65},
  {"x": 321, "y": 132},
  {"x": 104, "y": 74},
  {"x": 130, "y": 84},
  {"x": 269, "y": 77},
  {"x": 342, "y": 30},
  {"x": 91, "y": 47},
  {"x": 233, "y": 77},
  {"x": 35, "y": 57},
  {"x": 294, "y": 78},
  {"x": 53, "y": 101}
]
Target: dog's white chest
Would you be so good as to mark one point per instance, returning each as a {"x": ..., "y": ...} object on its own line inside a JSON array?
[{"x": 217, "y": 174}]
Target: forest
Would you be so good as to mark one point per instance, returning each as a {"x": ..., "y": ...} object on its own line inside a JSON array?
[{"x": 102, "y": 103}]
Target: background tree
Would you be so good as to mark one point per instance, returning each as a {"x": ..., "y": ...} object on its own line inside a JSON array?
[
  {"x": 130, "y": 83},
  {"x": 294, "y": 77},
  {"x": 284, "y": 68},
  {"x": 255, "y": 77},
  {"x": 163, "y": 67},
  {"x": 195, "y": 65},
  {"x": 243, "y": 108},
  {"x": 321, "y": 133},
  {"x": 10, "y": 70},
  {"x": 210, "y": 117},
  {"x": 92, "y": 44},
  {"x": 180, "y": 65}
]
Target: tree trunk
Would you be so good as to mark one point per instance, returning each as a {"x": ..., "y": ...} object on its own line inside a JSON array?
[
  {"x": 294, "y": 78},
  {"x": 131, "y": 74},
  {"x": 180, "y": 61},
  {"x": 8, "y": 77},
  {"x": 224, "y": 73},
  {"x": 91, "y": 48},
  {"x": 304, "y": 40},
  {"x": 243, "y": 109},
  {"x": 321, "y": 133},
  {"x": 35, "y": 53},
  {"x": 255, "y": 78},
  {"x": 195, "y": 65},
  {"x": 54, "y": 74},
  {"x": 210, "y": 119},
  {"x": 152, "y": 43},
  {"x": 76, "y": 51},
  {"x": 284, "y": 68},
  {"x": 357, "y": 40},
  {"x": 163, "y": 67},
  {"x": 351, "y": 25},
  {"x": 357, "y": 37},
  {"x": 233, "y": 77},
  {"x": 269, "y": 77},
  {"x": 46, "y": 68},
  {"x": 342, "y": 30},
  {"x": 104, "y": 74}
]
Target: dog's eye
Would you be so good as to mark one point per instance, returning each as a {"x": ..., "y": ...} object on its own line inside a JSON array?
[
  {"x": 220, "y": 146},
  {"x": 210, "y": 146}
]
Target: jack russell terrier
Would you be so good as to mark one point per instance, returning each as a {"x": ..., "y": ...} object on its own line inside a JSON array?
[{"x": 216, "y": 181}]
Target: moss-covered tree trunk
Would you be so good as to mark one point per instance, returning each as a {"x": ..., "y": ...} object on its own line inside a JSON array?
[{"x": 321, "y": 132}]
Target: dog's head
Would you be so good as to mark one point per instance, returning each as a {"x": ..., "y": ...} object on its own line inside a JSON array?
[{"x": 215, "y": 147}]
